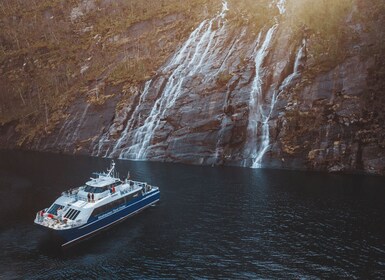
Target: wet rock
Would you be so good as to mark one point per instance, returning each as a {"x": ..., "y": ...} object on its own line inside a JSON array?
[
  {"x": 229, "y": 96},
  {"x": 373, "y": 160}
]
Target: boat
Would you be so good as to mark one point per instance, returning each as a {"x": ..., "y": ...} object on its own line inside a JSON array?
[{"x": 103, "y": 201}]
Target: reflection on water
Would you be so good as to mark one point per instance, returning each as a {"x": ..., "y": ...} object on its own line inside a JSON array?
[{"x": 219, "y": 222}]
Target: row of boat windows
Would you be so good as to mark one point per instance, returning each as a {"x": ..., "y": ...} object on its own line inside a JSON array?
[
  {"x": 114, "y": 204},
  {"x": 72, "y": 214},
  {"x": 91, "y": 189}
]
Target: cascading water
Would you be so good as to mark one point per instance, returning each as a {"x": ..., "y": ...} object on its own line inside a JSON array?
[
  {"x": 257, "y": 117},
  {"x": 296, "y": 69},
  {"x": 281, "y": 6},
  {"x": 188, "y": 61},
  {"x": 104, "y": 141},
  {"x": 70, "y": 130},
  {"x": 80, "y": 123},
  {"x": 162, "y": 126},
  {"x": 260, "y": 111}
]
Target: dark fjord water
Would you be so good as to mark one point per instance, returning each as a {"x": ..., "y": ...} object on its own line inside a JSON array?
[{"x": 211, "y": 223}]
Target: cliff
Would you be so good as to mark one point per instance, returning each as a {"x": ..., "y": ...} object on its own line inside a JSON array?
[{"x": 286, "y": 84}]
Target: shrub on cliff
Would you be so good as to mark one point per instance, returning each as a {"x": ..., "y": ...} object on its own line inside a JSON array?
[
  {"x": 51, "y": 50},
  {"x": 250, "y": 12},
  {"x": 325, "y": 22}
]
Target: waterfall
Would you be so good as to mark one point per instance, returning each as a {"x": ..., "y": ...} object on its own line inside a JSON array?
[
  {"x": 189, "y": 60},
  {"x": 299, "y": 56},
  {"x": 104, "y": 142},
  {"x": 151, "y": 129},
  {"x": 296, "y": 69},
  {"x": 218, "y": 147},
  {"x": 281, "y": 6},
  {"x": 127, "y": 130},
  {"x": 80, "y": 123},
  {"x": 62, "y": 130},
  {"x": 257, "y": 116}
]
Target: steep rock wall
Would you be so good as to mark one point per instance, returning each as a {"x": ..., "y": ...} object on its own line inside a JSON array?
[{"x": 240, "y": 95}]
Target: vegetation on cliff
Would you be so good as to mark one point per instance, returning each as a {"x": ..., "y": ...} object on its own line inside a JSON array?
[
  {"x": 325, "y": 25},
  {"x": 325, "y": 60},
  {"x": 54, "y": 51},
  {"x": 342, "y": 38}
]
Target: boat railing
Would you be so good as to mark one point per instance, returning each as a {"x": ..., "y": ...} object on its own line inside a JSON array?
[
  {"x": 72, "y": 224},
  {"x": 39, "y": 218},
  {"x": 55, "y": 221},
  {"x": 71, "y": 192},
  {"x": 138, "y": 185},
  {"x": 102, "y": 195},
  {"x": 40, "y": 215}
]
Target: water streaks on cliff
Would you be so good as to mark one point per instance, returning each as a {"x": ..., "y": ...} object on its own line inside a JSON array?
[
  {"x": 193, "y": 57},
  {"x": 259, "y": 142},
  {"x": 281, "y": 6},
  {"x": 298, "y": 65},
  {"x": 161, "y": 126},
  {"x": 254, "y": 84}
]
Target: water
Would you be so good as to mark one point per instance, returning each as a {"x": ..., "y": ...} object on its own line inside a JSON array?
[
  {"x": 298, "y": 65},
  {"x": 194, "y": 55},
  {"x": 257, "y": 117},
  {"x": 281, "y": 6},
  {"x": 211, "y": 223},
  {"x": 206, "y": 53}
]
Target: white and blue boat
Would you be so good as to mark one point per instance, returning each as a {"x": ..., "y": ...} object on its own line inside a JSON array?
[{"x": 104, "y": 201}]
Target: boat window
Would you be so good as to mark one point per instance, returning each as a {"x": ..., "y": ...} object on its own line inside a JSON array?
[
  {"x": 113, "y": 204},
  {"x": 72, "y": 214},
  {"x": 94, "y": 189},
  {"x": 75, "y": 215},
  {"x": 54, "y": 208}
]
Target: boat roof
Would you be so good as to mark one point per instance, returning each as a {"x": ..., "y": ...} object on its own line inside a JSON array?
[{"x": 101, "y": 181}]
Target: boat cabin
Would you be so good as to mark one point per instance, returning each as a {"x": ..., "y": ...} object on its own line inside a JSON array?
[{"x": 98, "y": 188}]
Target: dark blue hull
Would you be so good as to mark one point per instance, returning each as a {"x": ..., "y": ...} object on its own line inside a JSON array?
[{"x": 96, "y": 224}]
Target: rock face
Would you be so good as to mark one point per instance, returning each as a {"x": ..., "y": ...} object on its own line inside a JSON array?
[{"x": 236, "y": 96}]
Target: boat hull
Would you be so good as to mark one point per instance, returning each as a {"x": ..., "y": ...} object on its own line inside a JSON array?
[{"x": 97, "y": 224}]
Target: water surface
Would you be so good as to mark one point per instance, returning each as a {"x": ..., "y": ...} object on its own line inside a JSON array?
[{"x": 211, "y": 223}]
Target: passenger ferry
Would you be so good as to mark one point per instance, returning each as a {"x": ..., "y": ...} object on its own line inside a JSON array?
[{"x": 103, "y": 201}]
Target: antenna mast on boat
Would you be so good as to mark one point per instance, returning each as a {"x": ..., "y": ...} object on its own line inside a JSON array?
[{"x": 111, "y": 169}]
